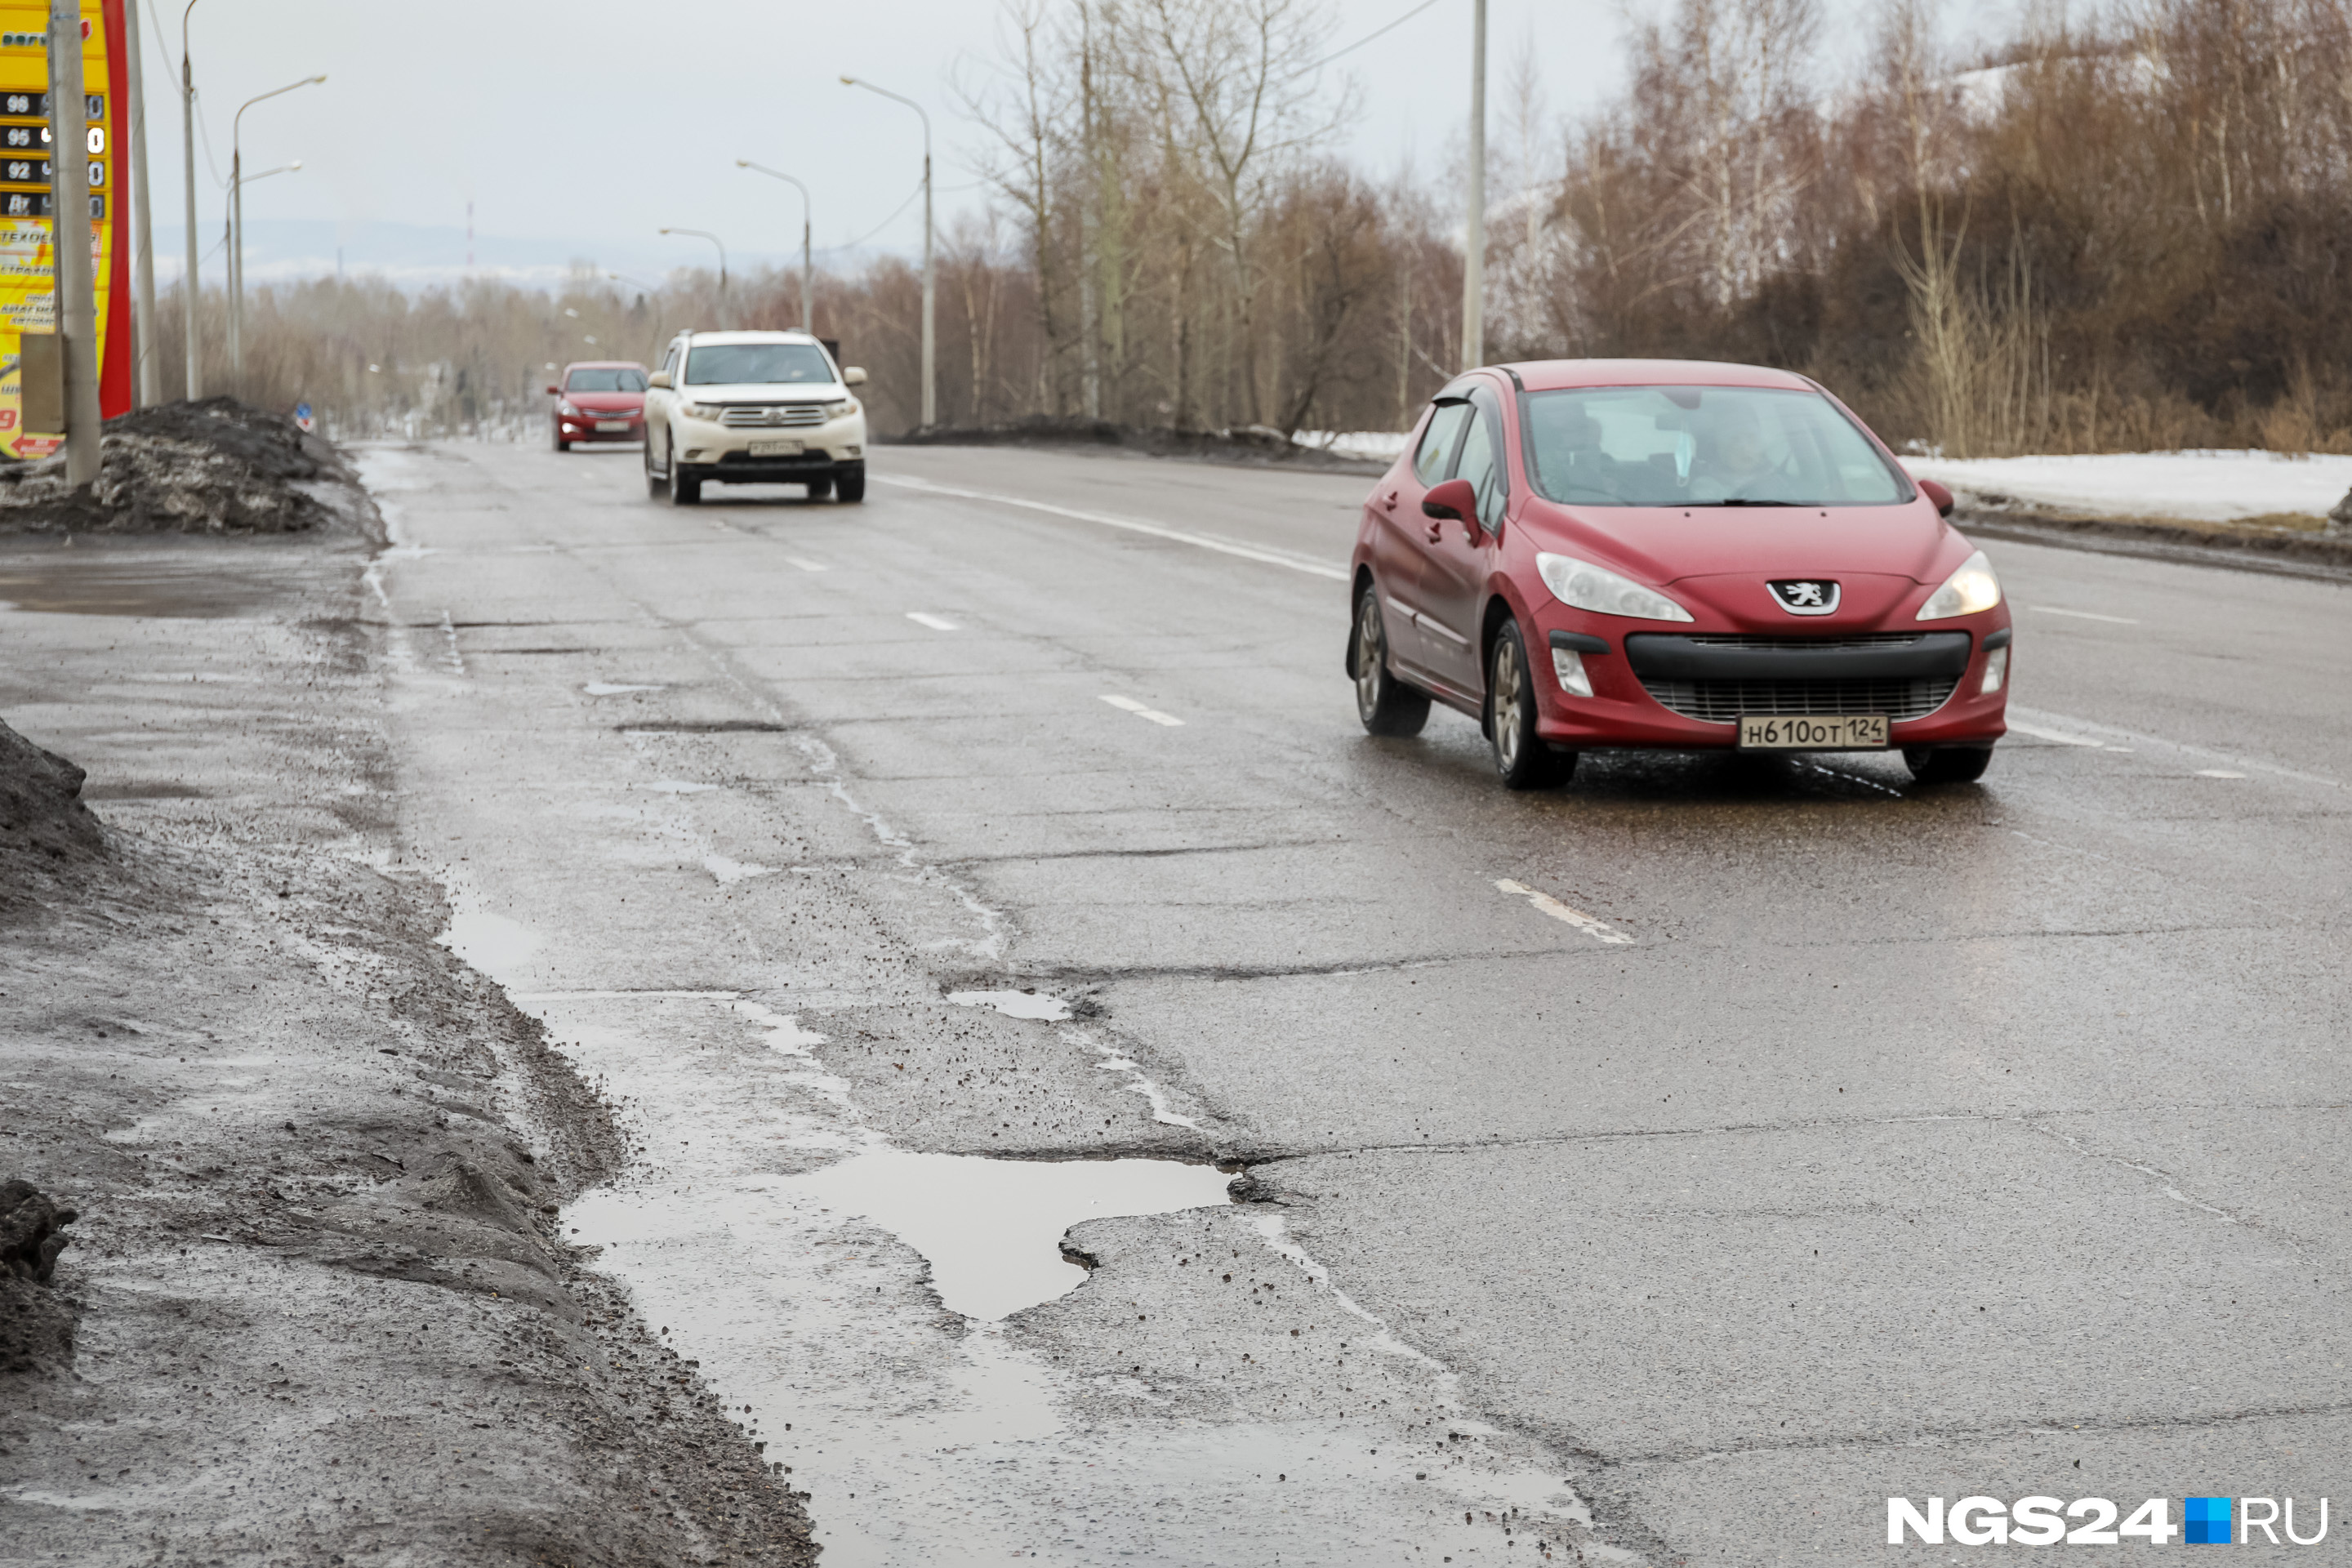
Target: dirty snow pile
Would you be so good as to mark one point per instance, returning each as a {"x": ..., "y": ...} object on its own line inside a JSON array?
[
  {"x": 2200, "y": 487},
  {"x": 44, "y": 829},
  {"x": 215, "y": 467}
]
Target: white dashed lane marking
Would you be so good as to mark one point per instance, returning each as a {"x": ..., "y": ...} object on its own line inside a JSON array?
[
  {"x": 2082, "y": 615},
  {"x": 1129, "y": 705},
  {"x": 2059, "y": 736},
  {"x": 2218, "y": 774},
  {"x": 1336, "y": 571},
  {"x": 1597, "y": 930},
  {"x": 936, "y": 623},
  {"x": 806, "y": 565}
]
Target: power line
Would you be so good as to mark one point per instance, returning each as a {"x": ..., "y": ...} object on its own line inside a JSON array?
[
  {"x": 886, "y": 222},
  {"x": 1368, "y": 38}
]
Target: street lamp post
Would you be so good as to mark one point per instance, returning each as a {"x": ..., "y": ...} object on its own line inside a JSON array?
[
  {"x": 70, "y": 273},
  {"x": 147, "y": 373},
  {"x": 1474, "y": 259},
  {"x": 188, "y": 158},
  {"x": 808, "y": 320},
  {"x": 706, "y": 234},
  {"x": 931, "y": 358},
  {"x": 237, "y": 184}
]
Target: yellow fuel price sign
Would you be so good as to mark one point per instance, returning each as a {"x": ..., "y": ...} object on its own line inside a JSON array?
[{"x": 28, "y": 215}]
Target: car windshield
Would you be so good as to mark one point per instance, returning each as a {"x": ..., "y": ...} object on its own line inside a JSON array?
[
  {"x": 737, "y": 364},
  {"x": 1702, "y": 446},
  {"x": 605, "y": 381}
]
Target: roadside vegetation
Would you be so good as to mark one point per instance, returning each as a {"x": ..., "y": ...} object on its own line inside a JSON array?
[{"x": 2126, "y": 229}]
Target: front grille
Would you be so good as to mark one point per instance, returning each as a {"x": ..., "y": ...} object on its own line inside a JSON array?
[
  {"x": 1723, "y": 701},
  {"x": 1863, "y": 639},
  {"x": 772, "y": 416}
]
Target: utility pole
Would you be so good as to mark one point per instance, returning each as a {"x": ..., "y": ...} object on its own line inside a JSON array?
[
  {"x": 705, "y": 234},
  {"x": 930, "y": 294},
  {"x": 147, "y": 377},
  {"x": 70, "y": 270},
  {"x": 188, "y": 290},
  {"x": 1474, "y": 256}
]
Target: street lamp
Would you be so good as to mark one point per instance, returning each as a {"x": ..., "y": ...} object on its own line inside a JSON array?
[
  {"x": 808, "y": 322},
  {"x": 232, "y": 239},
  {"x": 237, "y": 223},
  {"x": 930, "y": 382},
  {"x": 706, "y": 234},
  {"x": 1474, "y": 255},
  {"x": 188, "y": 155}
]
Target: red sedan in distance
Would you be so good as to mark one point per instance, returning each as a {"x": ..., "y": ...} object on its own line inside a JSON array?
[
  {"x": 1600, "y": 554},
  {"x": 600, "y": 400}
]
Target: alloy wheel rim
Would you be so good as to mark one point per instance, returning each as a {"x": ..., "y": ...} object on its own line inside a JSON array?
[
  {"x": 1506, "y": 707},
  {"x": 1371, "y": 658}
]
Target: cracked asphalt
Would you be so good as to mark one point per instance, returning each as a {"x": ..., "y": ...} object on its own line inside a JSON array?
[{"x": 1983, "y": 1140}]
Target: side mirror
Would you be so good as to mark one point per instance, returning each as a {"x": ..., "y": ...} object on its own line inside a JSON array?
[
  {"x": 1452, "y": 498},
  {"x": 555, "y": 391},
  {"x": 1939, "y": 495},
  {"x": 852, "y": 376},
  {"x": 658, "y": 380}
]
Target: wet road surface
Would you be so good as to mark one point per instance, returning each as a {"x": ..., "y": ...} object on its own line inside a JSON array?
[{"x": 1855, "y": 1140}]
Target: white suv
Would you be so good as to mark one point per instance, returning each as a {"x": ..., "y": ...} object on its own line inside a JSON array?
[{"x": 758, "y": 408}]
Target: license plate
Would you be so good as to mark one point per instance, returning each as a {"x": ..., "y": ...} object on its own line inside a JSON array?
[
  {"x": 612, "y": 424},
  {"x": 777, "y": 448},
  {"x": 1842, "y": 733}
]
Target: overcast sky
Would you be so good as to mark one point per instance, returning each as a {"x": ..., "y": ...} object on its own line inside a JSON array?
[{"x": 594, "y": 123}]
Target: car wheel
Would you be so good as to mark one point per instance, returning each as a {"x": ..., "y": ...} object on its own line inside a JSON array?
[
  {"x": 655, "y": 486},
  {"x": 819, "y": 489},
  {"x": 850, "y": 487},
  {"x": 684, "y": 488},
  {"x": 1386, "y": 705},
  {"x": 1947, "y": 765},
  {"x": 1523, "y": 759},
  {"x": 561, "y": 443}
]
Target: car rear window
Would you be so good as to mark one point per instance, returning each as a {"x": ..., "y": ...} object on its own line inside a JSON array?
[
  {"x": 605, "y": 381},
  {"x": 738, "y": 364},
  {"x": 1702, "y": 445}
]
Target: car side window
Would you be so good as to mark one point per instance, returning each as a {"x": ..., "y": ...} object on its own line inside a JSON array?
[
  {"x": 670, "y": 364},
  {"x": 1482, "y": 459},
  {"x": 1437, "y": 442}
]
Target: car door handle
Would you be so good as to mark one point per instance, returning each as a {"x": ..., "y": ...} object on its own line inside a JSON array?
[
  {"x": 1388, "y": 501},
  {"x": 1437, "y": 534}
]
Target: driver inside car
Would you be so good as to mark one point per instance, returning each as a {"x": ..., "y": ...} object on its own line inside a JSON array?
[{"x": 1733, "y": 456}]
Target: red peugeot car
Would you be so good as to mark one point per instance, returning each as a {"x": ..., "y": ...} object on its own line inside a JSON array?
[
  {"x": 1596, "y": 554},
  {"x": 600, "y": 400}
]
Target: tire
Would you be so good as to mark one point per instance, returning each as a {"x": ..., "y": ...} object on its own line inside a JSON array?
[
  {"x": 850, "y": 487},
  {"x": 818, "y": 489},
  {"x": 1523, "y": 759},
  {"x": 562, "y": 445},
  {"x": 1386, "y": 705},
  {"x": 656, "y": 487},
  {"x": 1947, "y": 765},
  {"x": 684, "y": 488}
]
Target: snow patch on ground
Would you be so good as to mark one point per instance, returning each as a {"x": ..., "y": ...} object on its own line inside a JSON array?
[{"x": 2202, "y": 487}]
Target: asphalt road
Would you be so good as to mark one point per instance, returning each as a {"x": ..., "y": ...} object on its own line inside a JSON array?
[{"x": 1859, "y": 1141}]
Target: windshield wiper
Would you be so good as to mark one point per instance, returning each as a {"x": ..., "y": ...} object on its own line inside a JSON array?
[{"x": 1746, "y": 501}]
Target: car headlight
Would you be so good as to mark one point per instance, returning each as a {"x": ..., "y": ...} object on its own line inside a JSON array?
[
  {"x": 1971, "y": 588},
  {"x": 840, "y": 407},
  {"x": 702, "y": 410},
  {"x": 1580, "y": 586},
  {"x": 565, "y": 407}
]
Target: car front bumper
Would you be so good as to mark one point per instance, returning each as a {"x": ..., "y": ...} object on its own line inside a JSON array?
[
  {"x": 582, "y": 427},
  {"x": 1684, "y": 687},
  {"x": 724, "y": 453}
]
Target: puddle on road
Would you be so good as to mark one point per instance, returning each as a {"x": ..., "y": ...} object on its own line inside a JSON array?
[
  {"x": 1015, "y": 1003},
  {"x": 491, "y": 943},
  {"x": 992, "y": 1229}
]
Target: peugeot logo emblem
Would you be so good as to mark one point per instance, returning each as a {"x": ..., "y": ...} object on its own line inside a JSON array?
[{"x": 1805, "y": 595}]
